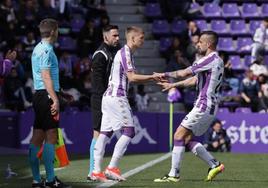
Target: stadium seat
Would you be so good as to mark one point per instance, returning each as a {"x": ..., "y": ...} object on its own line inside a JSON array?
[
  {"x": 237, "y": 65},
  {"x": 243, "y": 110},
  {"x": 253, "y": 25},
  {"x": 152, "y": 10},
  {"x": 160, "y": 28},
  {"x": 264, "y": 9},
  {"x": 238, "y": 27},
  {"x": 244, "y": 44},
  {"x": 219, "y": 26},
  {"x": 226, "y": 44},
  {"x": 211, "y": 10},
  {"x": 67, "y": 43},
  {"x": 247, "y": 60},
  {"x": 230, "y": 10},
  {"x": 165, "y": 43},
  {"x": 250, "y": 10},
  {"x": 178, "y": 26},
  {"x": 77, "y": 24},
  {"x": 223, "y": 110},
  {"x": 194, "y": 7},
  {"x": 202, "y": 24}
]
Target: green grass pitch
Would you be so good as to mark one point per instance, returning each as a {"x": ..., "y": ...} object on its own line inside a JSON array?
[{"x": 241, "y": 171}]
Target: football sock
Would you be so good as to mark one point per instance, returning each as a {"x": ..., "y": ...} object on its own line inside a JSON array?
[
  {"x": 99, "y": 151},
  {"x": 177, "y": 155},
  {"x": 199, "y": 150},
  {"x": 91, "y": 159},
  {"x": 48, "y": 158},
  {"x": 34, "y": 162},
  {"x": 119, "y": 150}
]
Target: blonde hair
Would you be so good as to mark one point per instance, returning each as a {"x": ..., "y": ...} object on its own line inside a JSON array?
[
  {"x": 133, "y": 29},
  {"x": 46, "y": 26}
]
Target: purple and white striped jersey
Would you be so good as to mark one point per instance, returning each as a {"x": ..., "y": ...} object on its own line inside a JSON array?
[
  {"x": 209, "y": 71},
  {"x": 118, "y": 81}
]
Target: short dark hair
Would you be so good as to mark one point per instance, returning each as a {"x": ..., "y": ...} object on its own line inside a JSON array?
[
  {"x": 213, "y": 36},
  {"x": 108, "y": 28},
  {"x": 46, "y": 26}
]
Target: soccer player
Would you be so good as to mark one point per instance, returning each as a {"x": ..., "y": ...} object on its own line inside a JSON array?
[
  {"x": 116, "y": 110},
  {"x": 101, "y": 68},
  {"x": 6, "y": 64},
  {"x": 46, "y": 105},
  {"x": 207, "y": 74}
]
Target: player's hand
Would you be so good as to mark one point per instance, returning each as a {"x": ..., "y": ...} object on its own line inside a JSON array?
[
  {"x": 247, "y": 100},
  {"x": 160, "y": 77},
  {"x": 165, "y": 85},
  {"x": 11, "y": 55}
]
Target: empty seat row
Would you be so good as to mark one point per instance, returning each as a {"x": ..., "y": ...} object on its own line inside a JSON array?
[{"x": 232, "y": 10}]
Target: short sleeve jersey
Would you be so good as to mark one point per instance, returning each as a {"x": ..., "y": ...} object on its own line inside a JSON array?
[
  {"x": 118, "y": 81},
  {"x": 209, "y": 71},
  {"x": 44, "y": 57}
]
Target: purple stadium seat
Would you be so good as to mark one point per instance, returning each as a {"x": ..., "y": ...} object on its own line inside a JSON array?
[
  {"x": 244, "y": 43},
  {"x": 237, "y": 65},
  {"x": 250, "y": 10},
  {"x": 253, "y": 25},
  {"x": 178, "y": 26},
  {"x": 201, "y": 24},
  {"x": 194, "y": 7},
  {"x": 247, "y": 60},
  {"x": 264, "y": 9},
  {"x": 223, "y": 110},
  {"x": 77, "y": 24},
  {"x": 226, "y": 44},
  {"x": 238, "y": 27},
  {"x": 165, "y": 43},
  {"x": 211, "y": 10},
  {"x": 243, "y": 110},
  {"x": 160, "y": 27},
  {"x": 67, "y": 43},
  {"x": 152, "y": 10},
  {"x": 266, "y": 60},
  {"x": 230, "y": 10},
  {"x": 219, "y": 26}
]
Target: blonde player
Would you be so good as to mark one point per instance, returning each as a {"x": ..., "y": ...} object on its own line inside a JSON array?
[{"x": 116, "y": 111}]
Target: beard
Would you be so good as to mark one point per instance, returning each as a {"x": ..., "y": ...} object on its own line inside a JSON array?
[{"x": 200, "y": 52}]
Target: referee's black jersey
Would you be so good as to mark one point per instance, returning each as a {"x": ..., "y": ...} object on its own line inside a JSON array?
[{"x": 101, "y": 68}]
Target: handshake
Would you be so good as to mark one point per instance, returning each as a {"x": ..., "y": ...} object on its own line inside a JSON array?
[{"x": 162, "y": 81}]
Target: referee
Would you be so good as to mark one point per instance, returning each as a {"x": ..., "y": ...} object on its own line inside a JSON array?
[
  {"x": 46, "y": 105},
  {"x": 101, "y": 68}
]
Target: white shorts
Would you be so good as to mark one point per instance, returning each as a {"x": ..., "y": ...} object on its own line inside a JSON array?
[
  {"x": 116, "y": 113},
  {"x": 198, "y": 122}
]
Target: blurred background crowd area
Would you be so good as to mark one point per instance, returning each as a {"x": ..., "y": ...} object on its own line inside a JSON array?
[{"x": 172, "y": 29}]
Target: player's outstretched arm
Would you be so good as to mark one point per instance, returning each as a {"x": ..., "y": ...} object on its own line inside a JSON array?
[
  {"x": 184, "y": 83},
  {"x": 179, "y": 73},
  {"x": 133, "y": 77}
]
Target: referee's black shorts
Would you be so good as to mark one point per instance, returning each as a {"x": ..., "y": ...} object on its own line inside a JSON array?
[
  {"x": 96, "y": 113},
  {"x": 43, "y": 118}
]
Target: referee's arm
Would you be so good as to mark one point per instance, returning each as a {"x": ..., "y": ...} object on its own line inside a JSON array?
[
  {"x": 99, "y": 74},
  {"x": 45, "y": 73}
]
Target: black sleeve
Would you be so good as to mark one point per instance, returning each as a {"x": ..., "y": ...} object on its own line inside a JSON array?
[{"x": 99, "y": 77}]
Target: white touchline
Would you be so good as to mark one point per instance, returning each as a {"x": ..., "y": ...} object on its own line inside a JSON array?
[{"x": 136, "y": 170}]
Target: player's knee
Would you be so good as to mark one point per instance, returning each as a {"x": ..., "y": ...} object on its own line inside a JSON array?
[{"x": 128, "y": 131}]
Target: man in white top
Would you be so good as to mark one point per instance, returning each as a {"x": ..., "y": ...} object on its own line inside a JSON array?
[
  {"x": 260, "y": 41},
  {"x": 207, "y": 74},
  {"x": 116, "y": 110}
]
